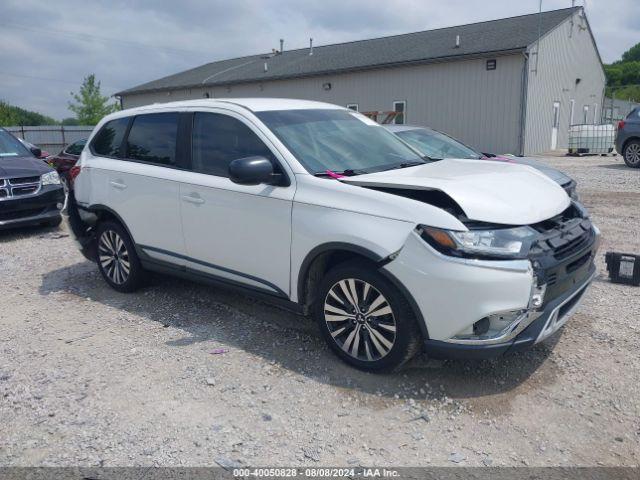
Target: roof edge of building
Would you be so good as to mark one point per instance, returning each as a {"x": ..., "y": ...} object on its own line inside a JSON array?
[{"x": 381, "y": 66}]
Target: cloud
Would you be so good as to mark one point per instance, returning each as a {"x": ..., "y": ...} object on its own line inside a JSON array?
[{"x": 127, "y": 43}]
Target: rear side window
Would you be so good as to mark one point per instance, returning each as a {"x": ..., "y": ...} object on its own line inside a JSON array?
[
  {"x": 219, "y": 139},
  {"x": 152, "y": 138},
  {"x": 108, "y": 140}
]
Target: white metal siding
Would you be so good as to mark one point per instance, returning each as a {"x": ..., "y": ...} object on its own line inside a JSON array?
[
  {"x": 482, "y": 108},
  {"x": 566, "y": 54}
]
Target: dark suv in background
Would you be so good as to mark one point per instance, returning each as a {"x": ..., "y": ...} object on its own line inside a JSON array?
[
  {"x": 628, "y": 138},
  {"x": 30, "y": 190}
]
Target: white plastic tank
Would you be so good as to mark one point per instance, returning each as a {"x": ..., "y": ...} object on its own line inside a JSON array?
[{"x": 591, "y": 139}]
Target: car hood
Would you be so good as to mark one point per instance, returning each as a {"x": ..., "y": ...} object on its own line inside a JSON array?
[
  {"x": 22, "y": 167},
  {"x": 553, "y": 173},
  {"x": 494, "y": 192}
]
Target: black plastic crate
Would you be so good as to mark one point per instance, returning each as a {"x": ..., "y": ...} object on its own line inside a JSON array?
[{"x": 623, "y": 268}]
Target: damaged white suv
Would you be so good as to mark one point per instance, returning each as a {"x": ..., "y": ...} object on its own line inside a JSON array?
[{"x": 320, "y": 208}]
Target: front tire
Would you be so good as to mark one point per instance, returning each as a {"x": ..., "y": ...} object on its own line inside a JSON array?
[
  {"x": 631, "y": 154},
  {"x": 365, "y": 319},
  {"x": 117, "y": 259}
]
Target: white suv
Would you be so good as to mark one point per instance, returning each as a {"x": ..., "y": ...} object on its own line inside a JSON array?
[{"x": 323, "y": 210}]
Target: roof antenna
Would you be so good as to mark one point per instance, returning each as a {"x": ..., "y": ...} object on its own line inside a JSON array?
[
  {"x": 281, "y": 45},
  {"x": 457, "y": 41},
  {"x": 311, "y": 46}
]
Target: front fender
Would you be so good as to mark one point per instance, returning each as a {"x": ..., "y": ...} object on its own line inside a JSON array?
[{"x": 316, "y": 229}]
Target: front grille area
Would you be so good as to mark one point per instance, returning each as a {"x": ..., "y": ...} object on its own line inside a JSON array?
[
  {"x": 563, "y": 235},
  {"x": 23, "y": 180},
  {"x": 18, "y": 186},
  {"x": 17, "y": 191},
  {"x": 563, "y": 255}
]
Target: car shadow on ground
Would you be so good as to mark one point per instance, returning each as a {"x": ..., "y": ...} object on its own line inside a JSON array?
[{"x": 227, "y": 318}]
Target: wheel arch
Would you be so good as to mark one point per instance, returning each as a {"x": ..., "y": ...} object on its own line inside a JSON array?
[
  {"x": 104, "y": 213},
  {"x": 627, "y": 141},
  {"x": 320, "y": 259}
]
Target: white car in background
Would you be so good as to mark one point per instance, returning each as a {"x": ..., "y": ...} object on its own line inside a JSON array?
[{"x": 321, "y": 209}]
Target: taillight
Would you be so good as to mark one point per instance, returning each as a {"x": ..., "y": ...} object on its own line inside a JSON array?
[
  {"x": 73, "y": 173},
  {"x": 620, "y": 124}
]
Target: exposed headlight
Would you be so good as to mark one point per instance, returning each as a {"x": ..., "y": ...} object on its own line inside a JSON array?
[
  {"x": 51, "y": 178},
  {"x": 502, "y": 243}
]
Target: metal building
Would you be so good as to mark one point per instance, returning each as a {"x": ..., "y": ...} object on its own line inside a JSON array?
[{"x": 512, "y": 85}]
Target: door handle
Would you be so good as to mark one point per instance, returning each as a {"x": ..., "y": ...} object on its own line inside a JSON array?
[
  {"x": 193, "y": 199},
  {"x": 118, "y": 185}
]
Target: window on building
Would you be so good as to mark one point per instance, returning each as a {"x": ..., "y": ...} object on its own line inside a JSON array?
[
  {"x": 219, "y": 139},
  {"x": 585, "y": 114},
  {"x": 491, "y": 64},
  {"x": 109, "y": 139},
  {"x": 153, "y": 138},
  {"x": 353, "y": 106},
  {"x": 401, "y": 108}
]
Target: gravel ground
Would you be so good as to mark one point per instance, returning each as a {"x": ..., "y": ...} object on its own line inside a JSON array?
[{"x": 91, "y": 377}]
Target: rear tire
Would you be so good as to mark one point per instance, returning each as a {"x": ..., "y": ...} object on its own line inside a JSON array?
[
  {"x": 365, "y": 319},
  {"x": 631, "y": 154},
  {"x": 117, "y": 259}
]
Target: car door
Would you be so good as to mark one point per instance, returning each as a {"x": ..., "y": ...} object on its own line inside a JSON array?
[
  {"x": 239, "y": 233},
  {"x": 142, "y": 189}
]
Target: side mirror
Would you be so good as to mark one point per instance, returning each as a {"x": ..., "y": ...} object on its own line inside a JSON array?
[
  {"x": 251, "y": 171},
  {"x": 36, "y": 151}
]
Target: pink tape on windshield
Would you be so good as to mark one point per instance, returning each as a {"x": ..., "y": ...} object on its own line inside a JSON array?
[{"x": 333, "y": 174}]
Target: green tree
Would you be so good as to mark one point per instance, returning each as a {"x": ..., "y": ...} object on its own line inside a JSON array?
[
  {"x": 70, "y": 121},
  {"x": 89, "y": 104},
  {"x": 623, "y": 76},
  {"x": 14, "y": 116},
  {"x": 632, "y": 55}
]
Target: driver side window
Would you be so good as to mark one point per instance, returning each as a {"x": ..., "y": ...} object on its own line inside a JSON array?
[{"x": 219, "y": 139}]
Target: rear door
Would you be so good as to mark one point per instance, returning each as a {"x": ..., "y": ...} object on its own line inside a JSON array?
[
  {"x": 239, "y": 233},
  {"x": 142, "y": 189}
]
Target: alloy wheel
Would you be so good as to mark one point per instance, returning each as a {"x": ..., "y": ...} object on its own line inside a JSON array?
[
  {"x": 114, "y": 257},
  {"x": 632, "y": 154},
  {"x": 360, "y": 319}
]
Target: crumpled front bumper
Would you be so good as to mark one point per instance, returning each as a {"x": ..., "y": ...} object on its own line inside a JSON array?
[
  {"x": 451, "y": 294},
  {"x": 554, "y": 315}
]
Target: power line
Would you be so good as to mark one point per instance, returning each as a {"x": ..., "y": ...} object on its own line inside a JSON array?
[{"x": 85, "y": 36}]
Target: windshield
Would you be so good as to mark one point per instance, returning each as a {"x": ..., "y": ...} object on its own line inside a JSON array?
[
  {"x": 338, "y": 140},
  {"x": 436, "y": 145},
  {"x": 11, "y": 147}
]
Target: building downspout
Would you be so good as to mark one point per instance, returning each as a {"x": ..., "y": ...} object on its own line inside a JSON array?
[{"x": 523, "y": 102}]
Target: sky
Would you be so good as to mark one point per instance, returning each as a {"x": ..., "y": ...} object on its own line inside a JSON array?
[{"x": 48, "y": 47}]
